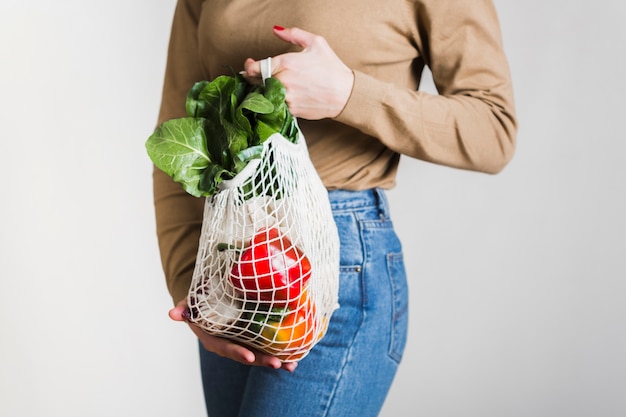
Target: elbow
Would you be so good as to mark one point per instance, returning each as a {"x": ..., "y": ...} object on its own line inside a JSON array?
[
  {"x": 500, "y": 158},
  {"x": 493, "y": 155},
  {"x": 502, "y": 149},
  {"x": 507, "y": 141},
  {"x": 494, "y": 134}
]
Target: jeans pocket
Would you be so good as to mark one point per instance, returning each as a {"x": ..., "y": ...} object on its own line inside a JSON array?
[{"x": 400, "y": 305}]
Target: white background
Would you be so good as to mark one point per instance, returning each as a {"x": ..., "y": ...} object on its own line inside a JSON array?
[{"x": 517, "y": 280}]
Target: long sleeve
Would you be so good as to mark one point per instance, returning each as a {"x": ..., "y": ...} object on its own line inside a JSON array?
[
  {"x": 178, "y": 214},
  {"x": 471, "y": 124}
]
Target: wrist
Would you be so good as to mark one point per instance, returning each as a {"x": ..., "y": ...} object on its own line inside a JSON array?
[{"x": 343, "y": 88}]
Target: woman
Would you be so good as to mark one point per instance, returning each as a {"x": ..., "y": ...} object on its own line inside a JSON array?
[{"x": 351, "y": 70}]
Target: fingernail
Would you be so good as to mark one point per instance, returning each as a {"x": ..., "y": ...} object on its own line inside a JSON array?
[
  {"x": 278, "y": 27},
  {"x": 187, "y": 314}
]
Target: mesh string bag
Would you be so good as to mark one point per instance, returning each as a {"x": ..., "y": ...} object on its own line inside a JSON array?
[{"x": 267, "y": 268}]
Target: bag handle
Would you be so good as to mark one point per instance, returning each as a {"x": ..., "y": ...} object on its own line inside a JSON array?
[{"x": 266, "y": 68}]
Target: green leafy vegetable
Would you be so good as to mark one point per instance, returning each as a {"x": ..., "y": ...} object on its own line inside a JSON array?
[{"x": 227, "y": 122}]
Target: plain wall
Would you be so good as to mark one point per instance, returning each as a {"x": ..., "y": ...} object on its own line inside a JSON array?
[{"x": 517, "y": 280}]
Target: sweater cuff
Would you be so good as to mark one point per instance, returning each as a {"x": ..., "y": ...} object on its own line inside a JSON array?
[{"x": 364, "y": 102}]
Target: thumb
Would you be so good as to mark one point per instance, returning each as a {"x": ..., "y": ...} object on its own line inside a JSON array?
[
  {"x": 180, "y": 312},
  {"x": 295, "y": 36}
]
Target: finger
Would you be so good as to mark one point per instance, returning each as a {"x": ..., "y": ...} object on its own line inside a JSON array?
[
  {"x": 180, "y": 312},
  {"x": 252, "y": 68},
  {"x": 248, "y": 356},
  {"x": 238, "y": 353},
  {"x": 259, "y": 69},
  {"x": 224, "y": 347},
  {"x": 290, "y": 366},
  {"x": 295, "y": 36}
]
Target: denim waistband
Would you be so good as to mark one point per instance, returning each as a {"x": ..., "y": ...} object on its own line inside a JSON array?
[{"x": 349, "y": 200}]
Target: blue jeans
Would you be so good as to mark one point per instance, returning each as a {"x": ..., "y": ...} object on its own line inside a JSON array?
[{"x": 349, "y": 372}]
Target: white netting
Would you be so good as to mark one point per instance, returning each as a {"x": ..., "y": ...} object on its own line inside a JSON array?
[{"x": 267, "y": 268}]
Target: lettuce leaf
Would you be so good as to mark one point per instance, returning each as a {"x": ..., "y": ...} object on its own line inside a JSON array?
[{"x": 227, "y": 122}]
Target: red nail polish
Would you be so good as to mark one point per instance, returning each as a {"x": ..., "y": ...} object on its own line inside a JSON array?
[{"x": 278, "y": 27}]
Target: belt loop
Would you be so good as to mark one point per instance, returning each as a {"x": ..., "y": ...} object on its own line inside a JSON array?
[{"x": 382, "y": 203}]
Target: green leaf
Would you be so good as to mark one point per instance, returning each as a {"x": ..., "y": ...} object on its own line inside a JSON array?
[
  {"x": 212, "y": 177},
  {"x": 194, "y": 106},
  {"x": 237, "y": 138},
  {"x": 217, "y": 96},
  {"x": 257, "y": 103},
  {"x": 217, "y": 142},
  {"x": 264, "y": 130},
  {"x": 280, "y": 120},
  {"x": 178, "y": 148},
  {"x": 248, "y": 154},
  {"x": 275, "y": 92}
]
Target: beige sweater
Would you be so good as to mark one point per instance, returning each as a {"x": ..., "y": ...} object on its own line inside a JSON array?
[{"x": 470, "y": 124}]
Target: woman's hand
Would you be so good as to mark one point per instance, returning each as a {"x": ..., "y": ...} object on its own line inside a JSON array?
[
  {"x": 227, "y": 348},
  {"x": 318, "y": 83}
]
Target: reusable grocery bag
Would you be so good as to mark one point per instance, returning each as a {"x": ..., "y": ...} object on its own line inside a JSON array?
[{"x": 267, "y": 267}]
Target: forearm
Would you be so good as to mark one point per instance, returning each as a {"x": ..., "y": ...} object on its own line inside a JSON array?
[
  {"x": 178, "y": 222},
  {"x": 473, "y": 130}
]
